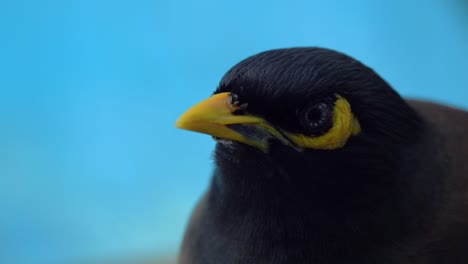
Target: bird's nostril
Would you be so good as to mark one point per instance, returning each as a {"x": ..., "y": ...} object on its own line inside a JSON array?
[{"x": 239, "y": 112}]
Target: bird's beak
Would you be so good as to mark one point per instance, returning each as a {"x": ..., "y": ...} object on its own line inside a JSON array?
[{"x": 214, "y": 116}]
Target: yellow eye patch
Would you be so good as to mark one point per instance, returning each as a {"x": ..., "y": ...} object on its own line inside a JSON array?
[{"x": 344, "y": 125}]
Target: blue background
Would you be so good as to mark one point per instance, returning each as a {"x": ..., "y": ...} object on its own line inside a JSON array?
[{"x": 91, "y": 166}]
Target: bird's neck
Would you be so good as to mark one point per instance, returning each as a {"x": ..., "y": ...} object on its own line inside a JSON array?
[{"x": 259, "y": 201}]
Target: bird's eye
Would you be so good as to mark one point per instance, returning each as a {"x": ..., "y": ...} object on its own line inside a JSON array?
[{"x": 317, "y": 118}]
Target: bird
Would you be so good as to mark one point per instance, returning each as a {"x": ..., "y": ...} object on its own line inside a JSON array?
[{"x": 319, "y": 160}]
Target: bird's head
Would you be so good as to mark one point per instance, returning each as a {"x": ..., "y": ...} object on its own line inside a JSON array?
[{"x": 311, "y": 112}]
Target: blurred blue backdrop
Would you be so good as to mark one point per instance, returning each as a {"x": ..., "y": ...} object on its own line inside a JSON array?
[{"x": 91, "y": 165}]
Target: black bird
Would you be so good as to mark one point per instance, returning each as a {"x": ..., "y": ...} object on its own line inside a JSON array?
[{"x": 318, "y": 160}]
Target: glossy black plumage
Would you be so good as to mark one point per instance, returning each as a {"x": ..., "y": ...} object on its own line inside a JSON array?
[{"x": 395, "y": 193}]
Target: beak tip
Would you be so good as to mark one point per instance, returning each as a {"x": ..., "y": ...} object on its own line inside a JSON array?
[{"x": 179, "y": 123}]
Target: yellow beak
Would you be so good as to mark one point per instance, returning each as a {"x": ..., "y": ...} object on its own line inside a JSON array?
[{"x": 214, "y": 116}]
